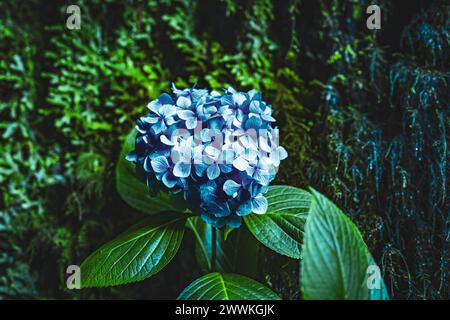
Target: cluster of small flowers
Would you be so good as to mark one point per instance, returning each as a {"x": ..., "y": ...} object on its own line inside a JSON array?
[{"x": 219, "y": 150}]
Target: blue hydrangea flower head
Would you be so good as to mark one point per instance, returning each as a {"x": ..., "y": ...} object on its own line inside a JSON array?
[{"x": 219, "y": 150}]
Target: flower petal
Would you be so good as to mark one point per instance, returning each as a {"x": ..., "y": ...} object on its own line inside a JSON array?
[
  {"x": 170, "y": 121},
  {"x": 168, "y": 110},
  {"x": 185, "y": 114},
  {"x": 282, "y": 153},
  {"x": 259, "y": 204},
  {"x": 244, "y": 208},
  {"x": 267, "y": 117},
  {"x": 154, "y": 106},
  {"x": 263, "y": 177},
  {"x": 191, "y": 123},
  {"x": 250, "y": 154},
  {"x": 231, "y": 188},
  {"x": 132, "y": 156},
  {"x": 239, "y": 98},
  {"x": 151, "y": 118},
  {"x": 264, "y": 144},
  {"x": 169, "y": 180},
  {"x": 240, "y": 163},
  {"x": 160, "y": 164},
  {"x": 225, "y": 168},
  {"x": 166, "y": 140},
  {"x": 165, "y": 99},
  {"x": 158, "y": 127},
  {"x": 213, "y": 171},
  {"x": 184, "y": 102},
  {"x": 234, "y": 221},
  {"x": 182, "y": 170},
  {"x": 254, "y": 107},
  {"x": 214, "y": 153},
  {"x": 200, "y": 169},
  {"x": 253, "y": 122},
  {"x": 147, "y": 166}
]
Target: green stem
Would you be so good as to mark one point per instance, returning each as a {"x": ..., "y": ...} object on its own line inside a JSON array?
[{"x": 213, "y": 249}]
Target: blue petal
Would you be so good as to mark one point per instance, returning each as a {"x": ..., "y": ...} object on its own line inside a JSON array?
[
  {"x": 234, "y": 221},
  {"x": 200, "y": 169},
  {"x": 259, "y": 204},
  {"x": 215, "y": 206},
  {"x": 268, "y": 118},
  {"x": 166, "y": 140},
  {"x": 152, "y": 118},
  {"x": 262, "y": 177},
  {"x": 165, "y": 99},
  {"x": 282, "y": 153},
  {"x": 198, "y": 93},
  {"x": 231, "y": 90},
  {"x": 254, "y": 95},
  {"x": 158, "y": 127},
  {"x": 240, "y": 163},
  {"x": 160, "y": 164},
  {"x": 213, "y": 171},
  {"x": 167, "y": 110},
  {"x": 230, "y": 187},
  {"x": 185, "y": 114},
  {"x": 254, "y": 122},
  {"x": 169, "y": 180},
  {"x": 170, "y": 121},
  {"x": 132, "y": 156},
  {"x": 216, "y": 123},
  {"x": 182, "y": 170},
  {"x": 147, "y": 164},
  {"x": 225, "y": 168},
  {"x": 226, "y": 100},
  {"x": 154, "y": 105},
  {"x": 254, "y": 107},
  {"x": 183, "y": 102},
  {"x": 239, "y": 98},
  {"x": 220, "y": 209},
  {"x": 191, "y": 123},
  {"x": 244, "y": 208},
  {"x": 207, "y": 191}
]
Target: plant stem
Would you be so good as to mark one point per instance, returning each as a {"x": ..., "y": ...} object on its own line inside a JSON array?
[{"x": 213, "y": 249}]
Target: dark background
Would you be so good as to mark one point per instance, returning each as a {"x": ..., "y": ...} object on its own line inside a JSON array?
[{"x": 364, "y": 115}]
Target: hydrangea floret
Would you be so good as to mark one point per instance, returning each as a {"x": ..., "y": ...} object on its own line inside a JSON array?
[{"x": 220, "y": 151}]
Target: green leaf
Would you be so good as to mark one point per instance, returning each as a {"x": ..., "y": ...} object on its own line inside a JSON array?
[
  {"x": 281, "y": 227},
  {"x": 228, "y": 286},
  {"x": 335, "y": 258},
  {"x": 138, "y": 253},
  {"x": 134, "y": 192},
  {"x": 238, "y": 253}
]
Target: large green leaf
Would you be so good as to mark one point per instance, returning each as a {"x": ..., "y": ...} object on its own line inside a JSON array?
[
  {"x": 228, "y": 286},
  {"x": 134, "y": 192},
  {"x": 335, "y": 258},
  {"x": 281, "y": 227},
  {"x": 238, "y": 253},
  {"x": 138, "y": 253}
]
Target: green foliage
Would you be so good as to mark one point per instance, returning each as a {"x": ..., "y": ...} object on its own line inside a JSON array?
[
  {"x": 236, "y": 253},
  {"x": 335, "y": 258},
  {"x": 227, "y": 286},
  {"x": 361, "y": 114},
  {"x": 281, "y": 227},
  {"x": 384, "y": 121},
  {"x": 139, "y": 253}
]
